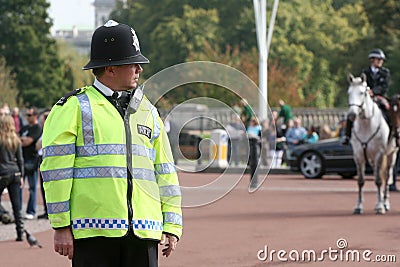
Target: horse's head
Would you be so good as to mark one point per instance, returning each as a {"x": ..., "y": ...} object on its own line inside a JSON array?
[{"x": 358, "y": 93}]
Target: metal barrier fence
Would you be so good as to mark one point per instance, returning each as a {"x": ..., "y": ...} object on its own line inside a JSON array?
[{"x": 216, "y": 118}]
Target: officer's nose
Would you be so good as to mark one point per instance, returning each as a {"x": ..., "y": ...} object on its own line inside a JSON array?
[{"x": 139, "y": 68}]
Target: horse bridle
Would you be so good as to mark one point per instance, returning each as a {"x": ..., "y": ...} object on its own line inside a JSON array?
[
  {"x": 365, "y": 144},
  {"x": 363, "y": 103}
]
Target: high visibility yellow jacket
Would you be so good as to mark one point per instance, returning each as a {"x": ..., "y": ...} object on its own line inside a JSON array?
[{"x": 88, "y": 149}]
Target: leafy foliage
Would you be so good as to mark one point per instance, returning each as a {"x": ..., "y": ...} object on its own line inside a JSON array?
[
  {"x": 315, "y": 44},
  {"x": 28, "y": 49},
  {"x": 8, "y": 89}
]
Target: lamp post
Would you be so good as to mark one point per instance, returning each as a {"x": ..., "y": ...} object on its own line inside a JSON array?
[{"x": 260, "y": 13}]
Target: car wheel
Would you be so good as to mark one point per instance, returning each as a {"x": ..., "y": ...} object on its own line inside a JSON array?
[
  {"x": 311, "y": 165},
  {"x": 347, "y": 175}
]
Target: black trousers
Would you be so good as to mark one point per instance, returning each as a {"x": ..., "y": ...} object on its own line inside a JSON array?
[
  {"x": 127, "y": 251},
  {"x": 12, "y": 184}
]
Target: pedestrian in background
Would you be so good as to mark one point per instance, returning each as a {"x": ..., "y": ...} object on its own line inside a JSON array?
[
  {"x": 11, "y": 169},
  {"x": 285, "y": 113},
  {"x": 312, "y": 136},
  {"x": 341, "y": 130},
  {"x": 295, "y": 133},
  {"x": 235, "y": 130},
  {"x": 247, "y": 112},
  {"x": 110, "y": 182},
  {"x": 19, "y": 123},
  {"x": 39, "y": 149},
  {"x": 265, "y": 145},
  {"x": 29, "y": 135}
]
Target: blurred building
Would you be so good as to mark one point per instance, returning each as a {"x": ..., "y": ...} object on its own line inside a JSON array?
[
  {"x": 102, "y": 10},
  {"x": 79, "y": 38}
]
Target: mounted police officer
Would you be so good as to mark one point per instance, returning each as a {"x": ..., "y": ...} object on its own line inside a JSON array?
[
  {"x": 378, "y": 80},
  {"x": 111, "y": 186}
]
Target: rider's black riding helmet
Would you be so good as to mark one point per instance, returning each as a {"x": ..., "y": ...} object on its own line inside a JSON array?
[{"x": 376, "y": 53}]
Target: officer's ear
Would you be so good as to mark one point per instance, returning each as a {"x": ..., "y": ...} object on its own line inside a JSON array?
[{"x": 109, "y": 70}]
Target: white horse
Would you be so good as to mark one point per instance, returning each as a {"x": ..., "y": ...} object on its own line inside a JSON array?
[{"x": 370, "y": 143}]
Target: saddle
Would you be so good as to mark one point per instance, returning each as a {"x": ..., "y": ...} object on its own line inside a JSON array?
[
  {"x": 386, "y": 106},
  {"x": 382, "y": 102}
]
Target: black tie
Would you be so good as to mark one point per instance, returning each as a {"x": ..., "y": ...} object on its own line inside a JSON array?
[
  {"x": 121, "y": 103},
  {"x": 117, "y": 104}
]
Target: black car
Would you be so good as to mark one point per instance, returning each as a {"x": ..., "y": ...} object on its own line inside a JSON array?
[{"x": 326, "y": 156}]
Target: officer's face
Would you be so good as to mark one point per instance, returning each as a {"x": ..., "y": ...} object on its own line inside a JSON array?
[
  {"x": 127, "y": 76},
  {"x": 377, "y": 62}
]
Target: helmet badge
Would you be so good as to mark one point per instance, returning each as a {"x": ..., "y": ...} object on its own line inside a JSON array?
[
  {"x": 135, "y": 40},
  {"x": 111, "y": 23}
]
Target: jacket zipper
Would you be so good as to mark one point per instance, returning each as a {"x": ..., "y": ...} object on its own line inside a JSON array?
[{"x": 129, "y": 169}]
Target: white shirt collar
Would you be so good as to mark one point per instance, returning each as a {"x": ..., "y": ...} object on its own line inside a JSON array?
[
  {"x": 104, "y": 89},
  {"x": 374, "y": 70}
]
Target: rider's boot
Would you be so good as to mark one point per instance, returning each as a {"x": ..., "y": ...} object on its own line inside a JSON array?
[
  {"x": 392, "y": 126},
  {"x": 346, "y": 138},
  {"x": 395, "y": 134}
]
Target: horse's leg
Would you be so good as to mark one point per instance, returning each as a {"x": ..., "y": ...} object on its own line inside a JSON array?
[
  {"x": 380, "y": 175},
  {"x": 391, "y": 161},
  {"x": 360, "y": 171},
  {"x": 386, "y": 202}
]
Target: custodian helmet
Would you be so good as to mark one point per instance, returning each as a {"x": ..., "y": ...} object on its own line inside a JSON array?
[
  {"x": 114, "y": 44},
  {"x": 376, "y": 53}
]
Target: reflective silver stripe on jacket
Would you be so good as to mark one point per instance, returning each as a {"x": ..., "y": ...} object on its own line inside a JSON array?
[
  {"x": 172, "y": 217},
  {"x": 58, "y": 174},
  {"x": 144, "y": 174},
  {"x": 57, "y": 207},
  {"x": 97, "y": 172},
  {"x": 170, "y": 190},
  {"x": 103, "y": 149},
  {"x": 58, "y": 150},
  {"x": 100, "y": 172},
  {"x": 157, "y": 126},
  {"x": 140, "y": 150},
  {"x": 87, "y": 123},
  {"x": 93, "y": 150},
  {"x": 164, "y": 168}
]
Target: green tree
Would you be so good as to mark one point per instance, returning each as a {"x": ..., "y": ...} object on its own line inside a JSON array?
[
  {"x": 317, "y": 41},
  {"x": 314, "y": 38},
  {"x": 31, "y": 53},
  {"x": 74, "y": 62},
  {"x": 384, "y": 18},
  {"x": 8, "y": 89}
]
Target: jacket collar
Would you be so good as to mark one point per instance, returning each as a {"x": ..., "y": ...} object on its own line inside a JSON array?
[{"x": 104, "y": 89}]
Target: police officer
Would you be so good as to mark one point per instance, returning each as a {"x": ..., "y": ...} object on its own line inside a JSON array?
[
  {"x": 111, "y": 186},
  {"x": 378, "y": 80}
]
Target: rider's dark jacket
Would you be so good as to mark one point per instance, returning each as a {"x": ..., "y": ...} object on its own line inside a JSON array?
[{"x": 379, "y": 82}]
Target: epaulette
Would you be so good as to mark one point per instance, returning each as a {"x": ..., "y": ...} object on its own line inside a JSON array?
[{"x": 65, "y": 98}]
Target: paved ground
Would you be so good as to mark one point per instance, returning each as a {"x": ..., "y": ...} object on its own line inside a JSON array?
[{"x": 288, "y": 213}]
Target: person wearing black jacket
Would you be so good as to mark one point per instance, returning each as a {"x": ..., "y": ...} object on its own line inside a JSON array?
[
  {"x": 11, "y": 168},
  {"x": 378, "y": 80}
]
